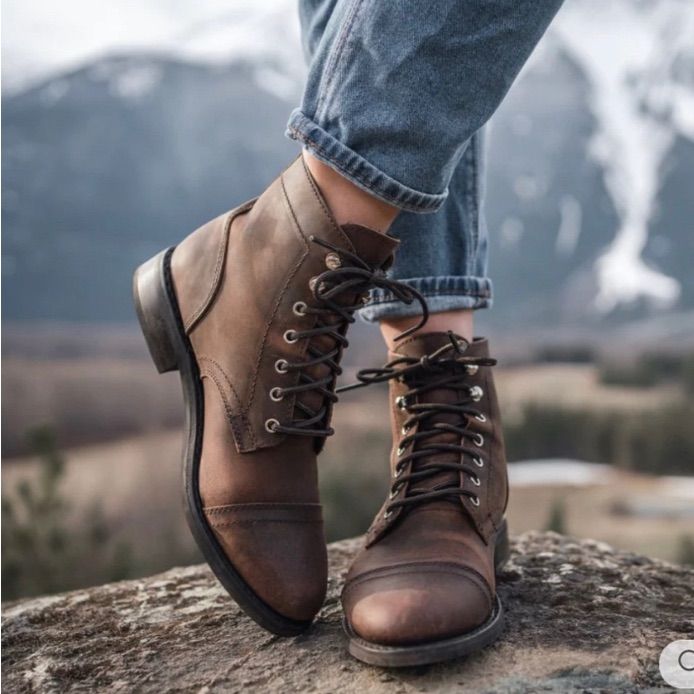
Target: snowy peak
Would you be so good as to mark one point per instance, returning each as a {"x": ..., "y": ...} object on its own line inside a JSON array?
[{"x": 638, "y": 58}]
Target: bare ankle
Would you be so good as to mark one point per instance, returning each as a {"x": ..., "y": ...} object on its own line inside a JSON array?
[
  {"x": 349, "y": 203},
  {"x": 461, "y": 322}
]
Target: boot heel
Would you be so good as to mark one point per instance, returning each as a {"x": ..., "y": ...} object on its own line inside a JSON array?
[
  {"x": 154, "y": 311},
  {"x": 502, "y": 549}
]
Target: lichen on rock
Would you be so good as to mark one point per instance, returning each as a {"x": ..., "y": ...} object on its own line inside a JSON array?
[{"x": 581, "y": 616}]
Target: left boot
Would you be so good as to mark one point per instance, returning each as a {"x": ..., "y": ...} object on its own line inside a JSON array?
[{"x": 423, "y": 588}]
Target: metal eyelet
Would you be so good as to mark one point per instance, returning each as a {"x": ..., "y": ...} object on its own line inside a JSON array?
[
  {"x": 276, "y": 394},
  {"x": 271, "y": 425},
  {"x": 398, "y": 472},
  {"x": 312, "y": 283},
  {"x": 478, "y": 440},
  {"x": 299, "y": 308},
  {"x": 474, "y": 500},
  {"x": 393, "y": 493},
  {"x": 478, "y": 461},
  {"x": 333, "y": 261},
  {"x": 401, "y": 402},
  {"x": 480, "y": 418},
  {"x": 387, "y": 515},
  {"x": 405, "y": 430},
  {"x": 476, "y": 393},
  {"x": 401, "y": 450},
  {"x": 281, "y": 366},
  {"x": 475, "y": 480},
  {"x": 290, "y": 337},
  {"x": 472, "y": 369}
]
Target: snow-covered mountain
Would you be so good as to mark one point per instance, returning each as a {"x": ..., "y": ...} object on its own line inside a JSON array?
[{"x": 109, "y": 155}]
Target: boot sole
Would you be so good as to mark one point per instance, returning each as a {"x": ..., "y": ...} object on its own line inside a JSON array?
[
  {"x": 444, "y": 649},
  {"x": 170, "y": 349}
]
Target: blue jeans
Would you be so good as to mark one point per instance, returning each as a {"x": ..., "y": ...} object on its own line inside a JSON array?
[{"x": 396, "y": 99}]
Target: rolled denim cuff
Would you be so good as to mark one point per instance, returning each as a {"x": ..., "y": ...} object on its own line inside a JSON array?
[
  {"x": 448, "y": 293},
  {"x": 354, "y": 167}
]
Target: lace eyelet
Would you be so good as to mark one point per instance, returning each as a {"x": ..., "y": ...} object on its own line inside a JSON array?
[
  {"x": 271, "y": 425},
  {"x": 276, "y": 394},
  {"x": 480, "y": 418},
  {"x": 312, "y": 283},
  {"x": 290, "y": 337},
  {"x": 401, "y": 402},
  {"x": 475, "y": 480},
  {"x": 478, "y": 461},
  {"x": 333, "y": 261},
  {"x": 281, "y": 366},
  {"x": 398, "y": 472},
  {"x": 476, "y": 393},
  {"x": 471, "y": 369},
  {"x": 299, "y": 308},
  {"x": 478, "y": 440},
  {"x": 474, "y": 500},
  {"x": 400, "y": 450},
  {"x": 405, "y": 430},
  {"x": 387, "y": 515},
  {"x": 393, "y": 493}
]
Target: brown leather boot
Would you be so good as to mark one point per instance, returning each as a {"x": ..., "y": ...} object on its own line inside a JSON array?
[
  {"x": 423, "y": 588},
  {"x": 252, "y": 309}
]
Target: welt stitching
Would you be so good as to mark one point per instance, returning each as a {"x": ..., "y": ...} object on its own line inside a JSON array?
[{"x": 221, "y": 253}]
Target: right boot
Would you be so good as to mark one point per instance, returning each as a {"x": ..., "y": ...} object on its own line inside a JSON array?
[{"x": 252, "y": 310}]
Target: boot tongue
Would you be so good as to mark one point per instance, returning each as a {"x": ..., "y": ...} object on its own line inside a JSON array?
[
  {"x": 426, "y": 343},
  {"x": 373, "y": 247}
]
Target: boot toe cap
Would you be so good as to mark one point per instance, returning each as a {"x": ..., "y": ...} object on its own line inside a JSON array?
[
  {"x": 412, "y": 606},
  {"x": 282, "y": 560}
]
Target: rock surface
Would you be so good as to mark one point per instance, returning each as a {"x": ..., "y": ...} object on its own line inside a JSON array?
[{"x": 580, "y": 617}]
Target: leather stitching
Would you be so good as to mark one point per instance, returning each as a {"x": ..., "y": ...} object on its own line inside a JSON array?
[
  {"x": 259, "y": 521},
  {"x": 236, "y": 508},
  {"x": 293, "y": 271},
  {"x": 221, "y": 254},
  {"x": 238, "y": 434},
  {"x": 326, "y": 212},
  {"x": 415, "y": 568}
]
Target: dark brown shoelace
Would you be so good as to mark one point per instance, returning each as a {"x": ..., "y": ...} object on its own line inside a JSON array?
[
  {"x": 447, "y": 368},
  {"x": 353, "y": 277}
]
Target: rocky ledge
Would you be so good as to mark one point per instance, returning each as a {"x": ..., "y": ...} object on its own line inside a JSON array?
[{"x": 580, "y": 617}]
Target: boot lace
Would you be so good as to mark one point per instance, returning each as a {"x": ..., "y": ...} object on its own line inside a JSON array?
[
  {"x": 349, "y": 277},
  {"x": 446, "y": 368}
]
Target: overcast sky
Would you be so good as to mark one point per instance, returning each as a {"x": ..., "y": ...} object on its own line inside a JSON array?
[{"x": 40, "y": 36}]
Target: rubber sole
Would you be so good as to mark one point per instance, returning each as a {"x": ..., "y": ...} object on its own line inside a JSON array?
[
  {"x": 160, "y": 320},
  {"x": 444, "y": 649}
]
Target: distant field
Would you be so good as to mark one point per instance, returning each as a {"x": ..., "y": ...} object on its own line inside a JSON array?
[
  {"x": 137, "y": 483},
  {"x": 96, "y": 399}
]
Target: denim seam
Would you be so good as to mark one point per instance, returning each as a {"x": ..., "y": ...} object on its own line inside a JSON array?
[
  {"x": 430, "y": 201},
  {"x": 331, "y": 67},
  {"x": 471, "y": 197},
  {"x": 452, "y": 292}
]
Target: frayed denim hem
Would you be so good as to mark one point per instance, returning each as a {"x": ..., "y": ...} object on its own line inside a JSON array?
[
  {"x": 448, "y": 293},
  {"x": 357, "y": 169}
]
